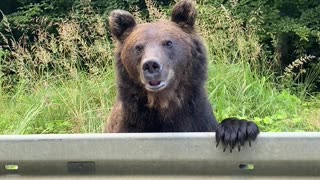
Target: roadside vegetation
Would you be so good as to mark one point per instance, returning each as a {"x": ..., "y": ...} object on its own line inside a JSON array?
[{"x": 64, "y": 81}]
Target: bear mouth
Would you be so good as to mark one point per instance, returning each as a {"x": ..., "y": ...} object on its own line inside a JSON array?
[{"x": 155, "y": 85}]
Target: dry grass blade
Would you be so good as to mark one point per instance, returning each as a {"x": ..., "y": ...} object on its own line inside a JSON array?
[
  {"x": 154, "y": 12},
  {"x": 297, "y": 64}
]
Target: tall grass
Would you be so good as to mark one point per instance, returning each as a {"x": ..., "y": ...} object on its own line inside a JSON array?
[
  {"x": 65, "y": 82},
  {"x": 241, "y": 80},
  {"x": 79, "y": 105}
]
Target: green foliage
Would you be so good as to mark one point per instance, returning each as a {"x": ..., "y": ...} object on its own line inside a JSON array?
[
  {"x": 79, "y": 46},
  {"x": 299, "y": 20},
  {"x": 78, "y": 105},
  {"x": 106, "y": 6},
  {"x": 63, "y": 84},
  {"x": 287, "y": 30},
  {"x": 241, "y": 82},
  {"x": 62, "y": 80}
]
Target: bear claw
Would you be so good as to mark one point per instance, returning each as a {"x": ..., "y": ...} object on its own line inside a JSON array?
[{"x": 233, "y": 131}]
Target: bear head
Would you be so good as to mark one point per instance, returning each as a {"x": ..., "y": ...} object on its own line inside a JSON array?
[{"x": 165, "y": 58}]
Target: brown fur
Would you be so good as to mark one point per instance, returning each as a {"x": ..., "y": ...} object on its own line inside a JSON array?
[
  {"x": 170, "y": 97},
  {"x": 161, "y": 75}
]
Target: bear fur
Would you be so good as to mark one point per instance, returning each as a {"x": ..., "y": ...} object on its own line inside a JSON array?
[{"x": 161, "y": 75}]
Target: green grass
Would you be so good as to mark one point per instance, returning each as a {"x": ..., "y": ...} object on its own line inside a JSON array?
[
  {"x": 82, "y": 104},
  {"x": 66, "y": 84},
  {"x": 79, "y": 105},
  {"x": 235, "y": 91}
]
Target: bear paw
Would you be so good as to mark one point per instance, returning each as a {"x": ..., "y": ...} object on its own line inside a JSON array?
[{"x": 232, "y": 131}]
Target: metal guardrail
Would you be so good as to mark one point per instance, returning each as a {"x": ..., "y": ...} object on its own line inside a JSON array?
[{"x": 145, "y": 154}]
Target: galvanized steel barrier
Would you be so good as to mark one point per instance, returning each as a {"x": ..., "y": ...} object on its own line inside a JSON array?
[{"x": 145, "y": 154}]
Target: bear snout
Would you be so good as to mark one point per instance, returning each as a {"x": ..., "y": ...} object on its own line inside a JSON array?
[
  {"x": 152, "y": 70},
  {"x": 151, "y": 67},
  {"x": 154, "y": 75}
]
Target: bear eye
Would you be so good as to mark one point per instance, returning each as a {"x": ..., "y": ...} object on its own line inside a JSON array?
[
  {"x": 139, "y": 48},
  {"x": 168, "y": 44}
]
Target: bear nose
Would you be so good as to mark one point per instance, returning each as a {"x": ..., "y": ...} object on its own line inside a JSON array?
[{"x": 151, "y": 67}]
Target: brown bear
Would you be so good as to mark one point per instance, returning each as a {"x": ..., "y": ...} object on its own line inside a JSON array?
[{"x": 161, "y": 74}]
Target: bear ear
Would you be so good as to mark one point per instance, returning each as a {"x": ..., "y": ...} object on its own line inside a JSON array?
[
  {"x": 121, "y": 23},
  {"x": 184, "y": 13}
]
